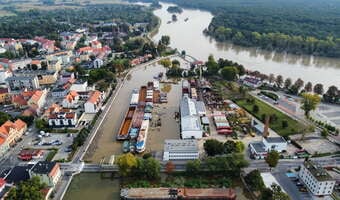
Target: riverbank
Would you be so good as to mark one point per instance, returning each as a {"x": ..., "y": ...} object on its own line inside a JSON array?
[{"x": 188, "y": 36}]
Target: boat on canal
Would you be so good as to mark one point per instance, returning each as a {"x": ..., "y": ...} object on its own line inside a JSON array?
[
  {"x": 142, "y": 137},
  {"x": 123, "y": 133},
  {"x": 126, "y": 146}
]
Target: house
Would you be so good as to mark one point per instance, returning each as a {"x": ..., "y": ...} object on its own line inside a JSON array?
[
  {"x": 259, "y": 150},
  {"x": 190, "y": 120},
  {"x": 97, "y": 63},
  {"x": 48, "y": 172},
  {"x": 45, "y": 44},
  {"x": 59, "y": 92},
  {"x": 4, "y": 95},
  {"x": 54, "y": 108},
  {"x": 65, "y": 77},
  {"x": 93, "y": 103},
  {"x": 45, "y": 77},
  {"x": 63, "y": 119},
  {"x": 251, "y": 81},
  {"x": 38, "y": 99},
  {"x": 71, "y": 100},
  {"x": 180, "y": 150},
  {"x": 12, "y": 131},
  {"x": 79, "y": 86},
  {"x": 16, "y": 83},
  {"x": 18, "y": 174},
  {"x": 4, "y": 146},
  {"x": 4, "y": 74},
  {"x": 316, "y": 178},
  {"x": 54, "y": 65},
  {"x": 96, "y": 44}
]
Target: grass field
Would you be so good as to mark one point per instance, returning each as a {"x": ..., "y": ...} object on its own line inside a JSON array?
[{"x": 294, "y": 126}]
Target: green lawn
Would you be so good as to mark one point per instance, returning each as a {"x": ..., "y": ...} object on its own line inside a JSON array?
[{"x": 293, "y": 125}]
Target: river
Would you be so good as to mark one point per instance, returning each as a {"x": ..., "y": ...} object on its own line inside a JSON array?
[{"x": 189, "y": 36}]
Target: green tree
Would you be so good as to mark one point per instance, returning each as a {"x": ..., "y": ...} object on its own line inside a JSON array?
[
  {"x": 324, "y": 133},
  {"x": 308, "y": 87},
  {"x": 279, "y": 81},
  {"x": 148, "y": 168},
  {"x": 239, "y": 147},
  {"x": 254, "y": 180},
  {"x": 4, "y": 117},
  {"x": 127, "y": 163},
  {"x": 165, "y": 39},
  {"x": 193, "y": 167},
  {"x": 212, "y": 65},
  {"x": 213, "y": 147},
  {"x": 318, "y": 89},
  {"x": 309, "y": 102},
  {"x": 266, "y": 194},
  {"x": 287, "y": 83},
  {"x": 41, "y": 124},
  {"x": 278, "y": 194},
  {"x": 166, "y": 62},
  {"x": 29, "y": 189},
  {"x": 256, "y": 108},
  {"x": 272, "y": 158},
  {"x": 229, "y": 73}
]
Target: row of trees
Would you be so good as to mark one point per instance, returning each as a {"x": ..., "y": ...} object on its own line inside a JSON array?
[
  {"x": 332, "y": 95},
  {"x": 50, "y": 23},
  {"x": 228, "y": 70},
  {"x": 214, "y": 147}
]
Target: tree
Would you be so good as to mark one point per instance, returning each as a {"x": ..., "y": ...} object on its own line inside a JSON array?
[
  {"x": 279, "y": 81},
  {"x": 324, "y": 133},
  {"x": 41, "y": 124},
  {"x": 4, "y": 117},
  {"x": 299, "y": 83},
  {"x": 287, "y": 83},
  {"x": 271, "y": 78},
  {"x": 165, "y": 62},
  {"x": 229, "y": 73},
  {"x": 193, "y": 167},
  {"x": 284, "y": 124},
  {"x": 229, "y": 147},
  {"x": 309, "y": 102},
  {"x": 175, "y": 63},
  {"x": 256, "y": 108},
  {"x": 165, "y": 39},
  {"x": 266, "y": 194},
  {"x": 308, "y": 87},
  {"x": 332, "y": 95},
  {"x": 278, "y": 194},
  {"x": 213, "y": 147},
  {"x": 148, "y": 168},
  {"x": 254, "y": 180},
  {"x": 127, "y": 163},
  {"x": 272, "y": 158},
  {"x": 169, "y": 167},
  {"x": 212, "y": 65},
  {"x": 29, "y": 189},
  {"x": 239, "y": 147},
  {"x": 318, "y": 89}
]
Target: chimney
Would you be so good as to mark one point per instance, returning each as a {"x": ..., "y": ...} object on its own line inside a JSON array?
[{"x": 266, "y": 127}]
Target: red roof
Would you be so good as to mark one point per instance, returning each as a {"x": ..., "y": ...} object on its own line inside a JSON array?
[
  {"x": 37, "y": 95},
  {"x": 2, "y": 182},
  {"x": 19, "y": 99},
  {"x": 2, "y": 140},
  {"x": 94, "y": 98}
]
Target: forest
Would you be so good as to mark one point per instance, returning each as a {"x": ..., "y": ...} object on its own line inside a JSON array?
[
  {"x": 294, "y": 26},
  {"x": 48, "y": 23}
]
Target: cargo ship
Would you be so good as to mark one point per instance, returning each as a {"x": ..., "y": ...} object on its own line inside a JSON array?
[
  {"x": 142, "y": 137},
  {"x": 123, "y": 133},
  {"x": 134, "y": 97}
]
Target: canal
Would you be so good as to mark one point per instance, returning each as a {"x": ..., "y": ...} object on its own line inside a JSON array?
[{"x": 189, "y": 36}]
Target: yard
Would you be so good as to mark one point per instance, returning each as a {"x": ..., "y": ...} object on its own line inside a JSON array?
[{"x": 283, "y": 124}]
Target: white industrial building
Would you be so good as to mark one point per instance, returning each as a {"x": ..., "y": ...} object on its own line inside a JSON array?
[
  {"x": 316, "y": 178},
  {"x": 259, "y": 150},
  {"x": 180, "y": 150},
  {"x": 190, "y": 121}
]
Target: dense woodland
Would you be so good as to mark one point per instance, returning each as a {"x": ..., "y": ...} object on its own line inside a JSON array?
[
  {"x": 294, "y": 26},
  {"x": 49, "y": 23}
]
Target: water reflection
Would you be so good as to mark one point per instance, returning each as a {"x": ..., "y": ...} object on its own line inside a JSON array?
[{"x": 189, "y": 36}]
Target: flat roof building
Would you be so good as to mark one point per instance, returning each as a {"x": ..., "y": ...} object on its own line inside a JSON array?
[
  {"x": 190, "y": 120},
  {"x": 180, "y": 150},
  {"x": 316, "y": 178}
]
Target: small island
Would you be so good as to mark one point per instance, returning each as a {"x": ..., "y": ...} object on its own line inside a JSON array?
[{"x": 174, "y": 9}]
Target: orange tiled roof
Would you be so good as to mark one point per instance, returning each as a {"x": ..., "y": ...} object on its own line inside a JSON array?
[
  {"x": 19, "y": 99},
  {"x": 35, "y": 62},
  {"x": 37, "y": 95},
  {"x": 94, "y": 97},
  {"x": 20, "y": 124},
  {"x": 2, "y": 141}
]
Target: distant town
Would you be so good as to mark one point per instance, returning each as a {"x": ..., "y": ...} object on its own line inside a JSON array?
[{"x": 106, "y": 98}]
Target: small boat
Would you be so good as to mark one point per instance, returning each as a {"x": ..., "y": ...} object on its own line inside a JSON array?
[
  {"x": 169, "y": 22},
  {"x": 142, "y": 137},
  {"x": 132, "y": 146},
  {"x": 186, "y": 19},
  {"x": 133, "y": 133},
  {"x": 126, "y": 146}
]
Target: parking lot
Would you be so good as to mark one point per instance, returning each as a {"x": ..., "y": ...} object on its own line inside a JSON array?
[
  {"x": 60, "y": 141},
  {"x": 292, "y": 186}
]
